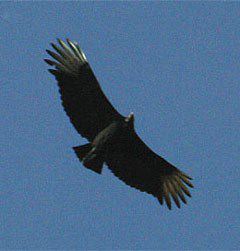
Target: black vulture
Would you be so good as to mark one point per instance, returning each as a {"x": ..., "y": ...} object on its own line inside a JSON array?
[{"x": 112, "y": 138}]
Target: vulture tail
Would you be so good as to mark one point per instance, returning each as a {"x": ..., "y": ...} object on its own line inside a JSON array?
[
  {"x": 82, "y": 151},
  {"x": 89, "y": 159}
]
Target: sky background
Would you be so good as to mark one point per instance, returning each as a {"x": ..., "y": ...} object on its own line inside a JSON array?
[{"x": 177, "y": 67}]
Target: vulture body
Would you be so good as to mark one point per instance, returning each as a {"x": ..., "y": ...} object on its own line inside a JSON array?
[{"x": 112, "y": 137}]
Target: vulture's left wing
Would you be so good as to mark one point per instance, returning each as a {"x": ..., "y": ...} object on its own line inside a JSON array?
[
  {"x": 138, "y": 166},
  {"x": 82, "y": 97}
]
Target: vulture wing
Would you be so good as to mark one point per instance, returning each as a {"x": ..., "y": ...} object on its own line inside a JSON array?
[
  {"x": 138, "y": 166},
  {"x": 82, "y": 97}
]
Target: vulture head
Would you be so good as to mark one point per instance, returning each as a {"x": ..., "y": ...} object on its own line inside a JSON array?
[{"x": 130, "y": 121}]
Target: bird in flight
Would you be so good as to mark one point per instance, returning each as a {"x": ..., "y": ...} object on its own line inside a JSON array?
[{"x": 112, "y": 138}]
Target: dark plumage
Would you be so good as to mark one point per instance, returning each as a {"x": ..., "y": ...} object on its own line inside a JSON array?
[{"x": 112, "y": 138}]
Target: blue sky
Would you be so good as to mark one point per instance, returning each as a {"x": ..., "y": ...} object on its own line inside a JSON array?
[{"x": 177, "y": 67}]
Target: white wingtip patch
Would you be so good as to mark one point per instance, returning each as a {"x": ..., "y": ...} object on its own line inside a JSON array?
[{"x": 84, "y": 58}]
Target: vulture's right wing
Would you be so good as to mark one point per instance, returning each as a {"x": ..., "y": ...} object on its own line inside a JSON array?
[{"x": 82, "y": 97}]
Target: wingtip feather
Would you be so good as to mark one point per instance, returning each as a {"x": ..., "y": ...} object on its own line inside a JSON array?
[
  {"x": 166, "y": 196},
  {"x": 186, "y": 180},
  {"x": 48, "y": 61},
  {"x": 54, "y": 72},
  {"x": 173, "y": 193}
]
